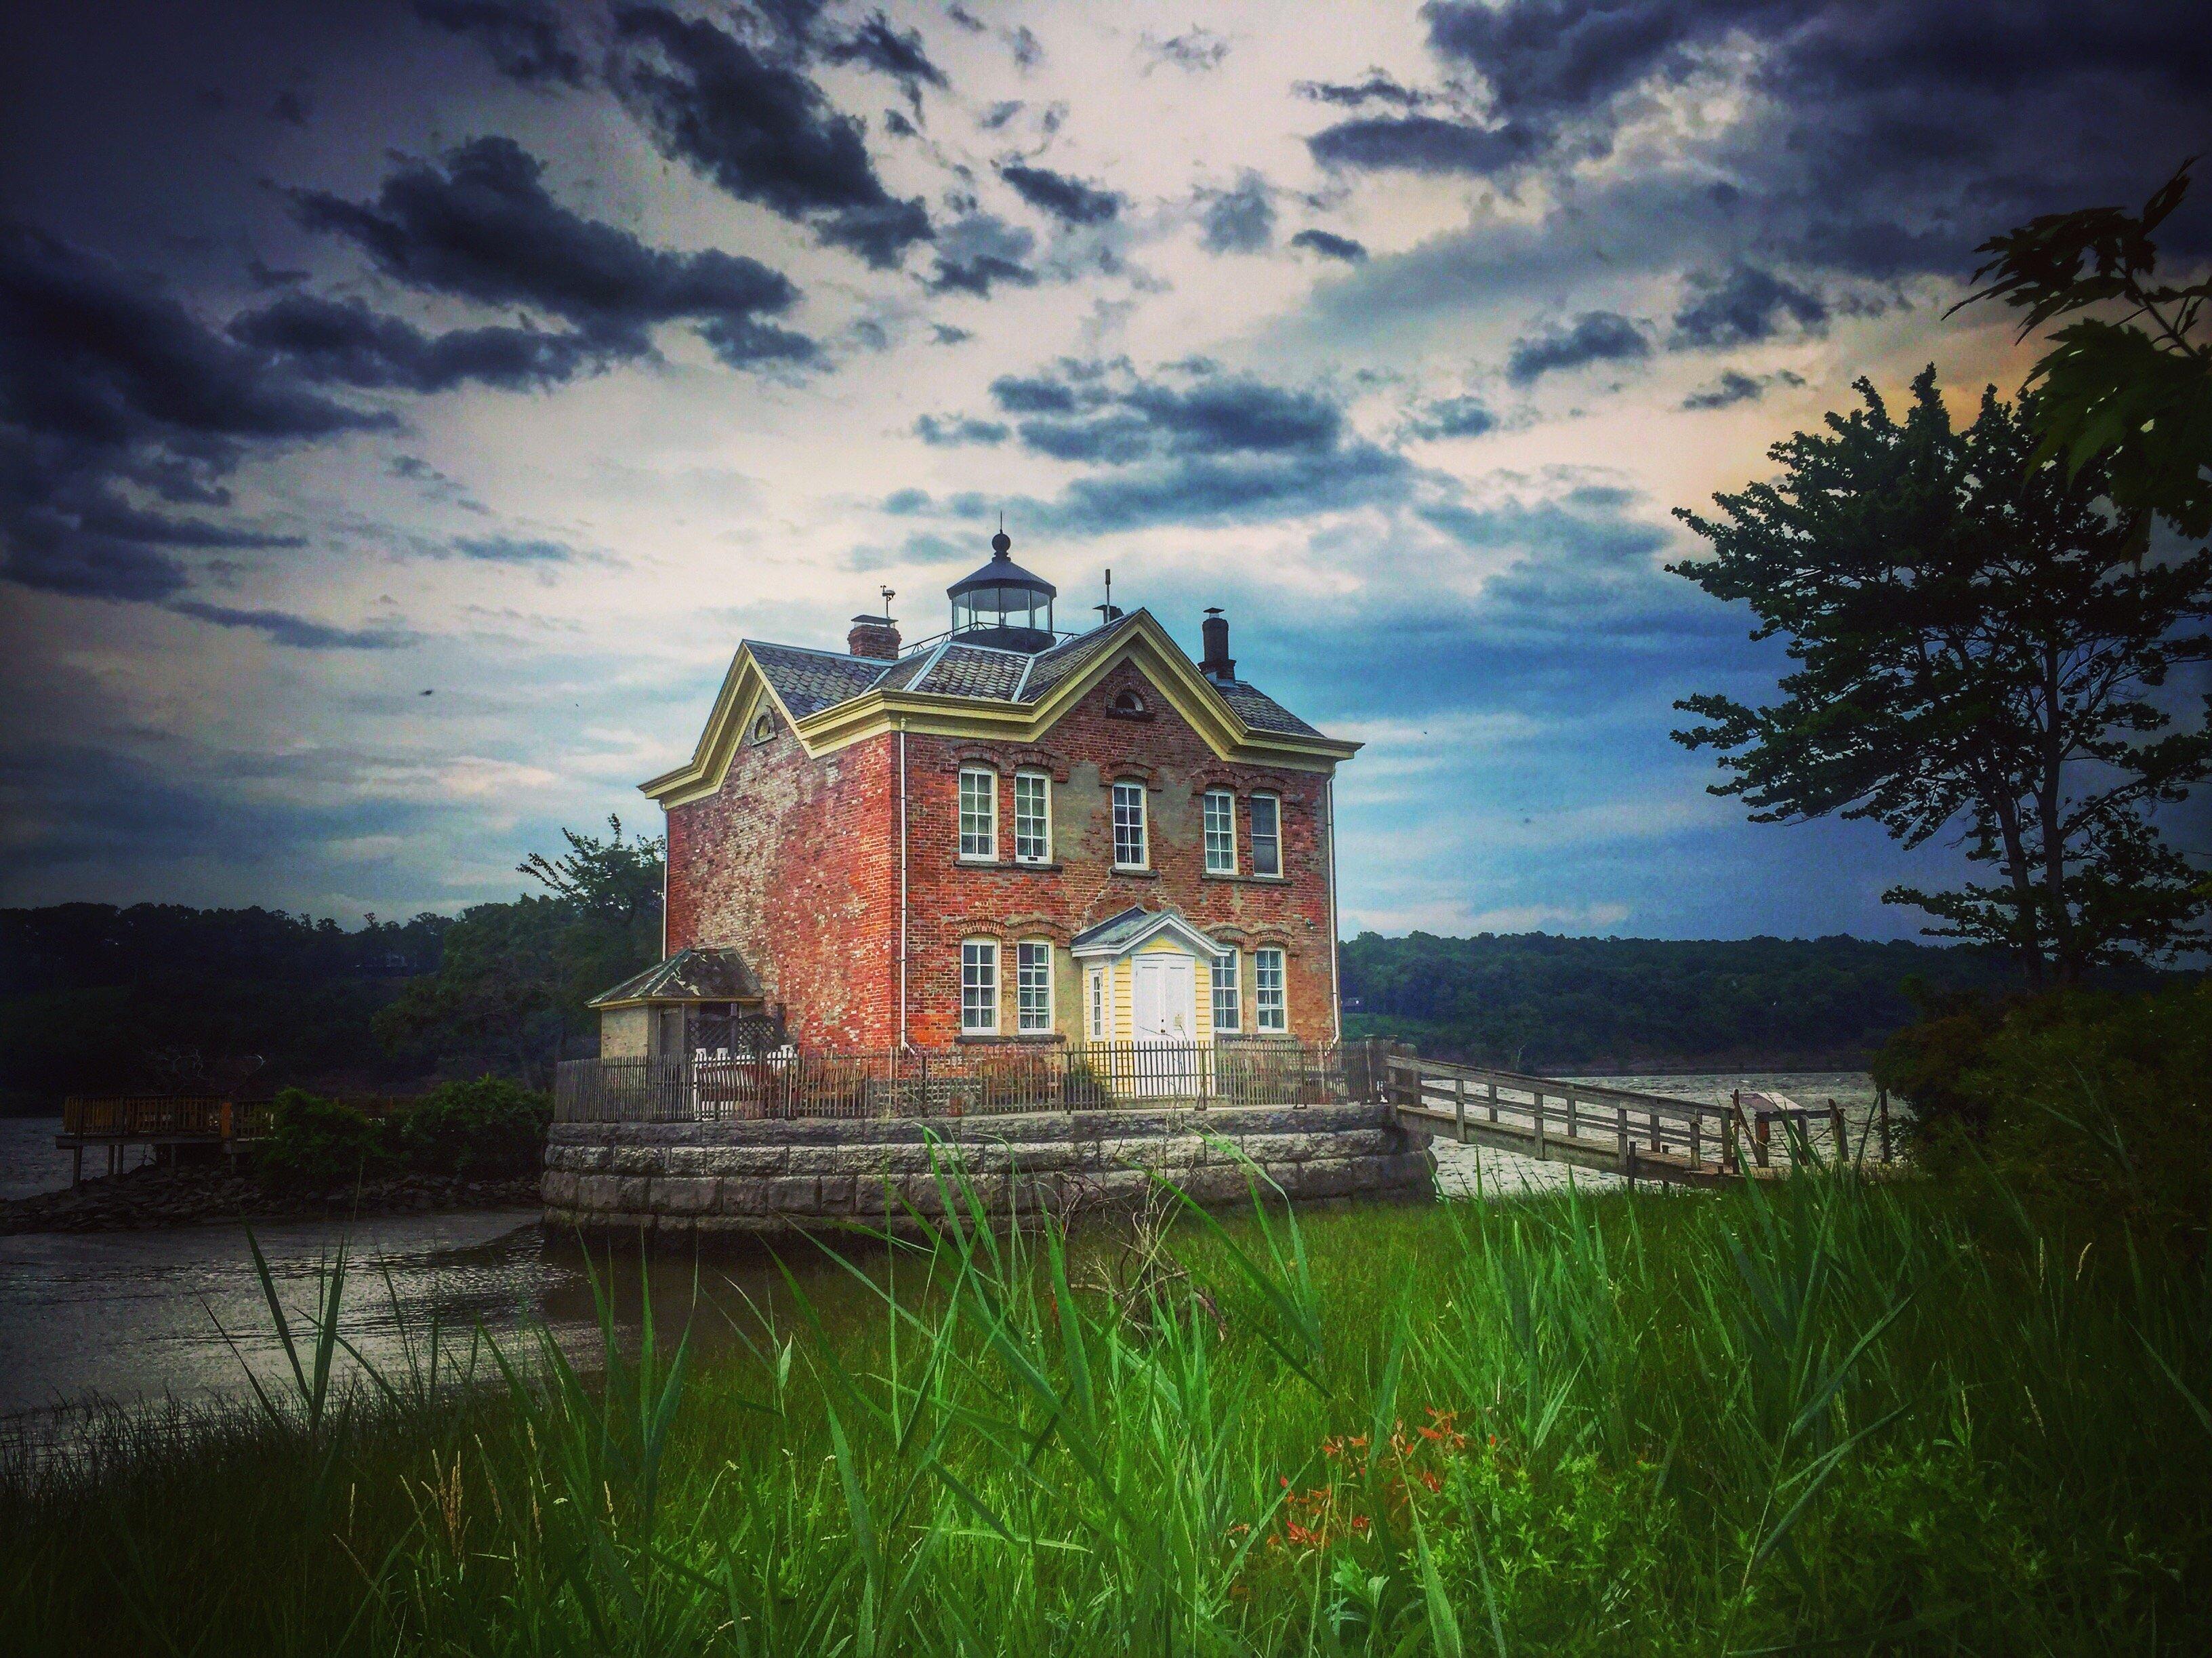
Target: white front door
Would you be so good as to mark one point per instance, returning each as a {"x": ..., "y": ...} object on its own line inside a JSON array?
[{"x": 1164, "y": 1015}]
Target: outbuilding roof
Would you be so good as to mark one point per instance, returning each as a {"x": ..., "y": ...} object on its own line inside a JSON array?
[{"x": 693, "y": 975}]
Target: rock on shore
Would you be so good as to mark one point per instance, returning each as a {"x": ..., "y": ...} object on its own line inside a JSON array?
[{"x": 145, "y": 1198}]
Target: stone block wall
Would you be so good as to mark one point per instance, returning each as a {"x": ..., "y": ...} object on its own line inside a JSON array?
[{"x": 689, "y": 1179}]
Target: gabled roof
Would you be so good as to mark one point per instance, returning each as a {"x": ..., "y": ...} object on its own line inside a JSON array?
[
  {"x": 808, "y": 681},
  {"x": 1136, "y": 925},
  {"x": 962, "y": 690},
  {"x": 694, "y": 975}
]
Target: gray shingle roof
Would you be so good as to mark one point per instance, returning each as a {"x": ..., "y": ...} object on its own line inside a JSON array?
[
  {"x": 1261, "y": 711},
  {"x": 809, "y": 681},
  {"x": 974, "y": 671},
  {"x": 1063, "y": 659},
  {"x": 694, "y": 975}
]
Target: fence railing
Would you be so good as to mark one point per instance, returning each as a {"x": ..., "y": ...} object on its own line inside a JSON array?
[
  {"x": 895, "y": 1082},
  {"x": 162, "y": 1116}
]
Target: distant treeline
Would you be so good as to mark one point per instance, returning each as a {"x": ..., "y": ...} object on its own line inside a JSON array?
[
  {"x": 1533, "y": 1002},
  {"x": 94, "y": 998},
  {"x": 160, "y": 997}
]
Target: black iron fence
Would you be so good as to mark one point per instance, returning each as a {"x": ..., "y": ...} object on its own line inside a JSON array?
[{"x": 981, "y": 1080}]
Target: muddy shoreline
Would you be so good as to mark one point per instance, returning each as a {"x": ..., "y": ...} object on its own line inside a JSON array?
[{"x": 152, "y": 1199}]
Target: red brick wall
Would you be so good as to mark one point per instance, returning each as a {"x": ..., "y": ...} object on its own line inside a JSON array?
[
  {"x": 795, "y": 863},
  {"x": 1087, "y": 752}
]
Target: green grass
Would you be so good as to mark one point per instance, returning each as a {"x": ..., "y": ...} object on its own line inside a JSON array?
[{"x": 1833, "y": 1415}]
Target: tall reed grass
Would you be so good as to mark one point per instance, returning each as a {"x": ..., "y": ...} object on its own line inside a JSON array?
[{"x": 1824, "y": 1415}]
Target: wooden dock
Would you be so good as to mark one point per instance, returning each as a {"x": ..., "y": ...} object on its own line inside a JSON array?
[
  {"x": 115, "y": 1123},
  {"x": 1649, "y": 1137}
]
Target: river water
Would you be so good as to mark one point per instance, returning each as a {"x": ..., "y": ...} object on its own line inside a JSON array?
[{"x": 136, "y": 1317}]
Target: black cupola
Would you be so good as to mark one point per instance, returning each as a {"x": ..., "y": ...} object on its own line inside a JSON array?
[{"x": 1002, "y": 604}]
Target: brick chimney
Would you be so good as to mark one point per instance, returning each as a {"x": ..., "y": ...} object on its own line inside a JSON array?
[
  {"x": 1219, "y": 664},
  {"x": 874, "y": 636}
]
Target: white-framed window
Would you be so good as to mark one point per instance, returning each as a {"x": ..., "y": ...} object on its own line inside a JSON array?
[
  {"x": 1228, "y": 994},
  {"x": 1130, "y": 850},
  {"x": 1032, "y": 818},
  {"x": 1033, "y": 985},
  {"x": 1267, "y": 835},
  {"x": 1220, "y": 833},
  {"x": 1271, "y": 1010},
  {"x": 1094, "y": 1002},
  {"x": 979, "y": 813},
  {"x": 978, "y": 987}
]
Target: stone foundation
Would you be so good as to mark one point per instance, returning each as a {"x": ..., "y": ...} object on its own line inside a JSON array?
[{"x": 768, "y": 1177}]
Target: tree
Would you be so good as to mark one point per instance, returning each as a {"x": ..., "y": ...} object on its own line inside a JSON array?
[
  {"x": 612, "y": 880},
  {"x": 2132, "y": 392},
  {"x": 1975, "y": 638},
  {"x": 511, "y": 991}
]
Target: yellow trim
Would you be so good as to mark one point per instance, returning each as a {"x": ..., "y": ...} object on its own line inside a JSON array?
[{"x": 874, "y": 713}]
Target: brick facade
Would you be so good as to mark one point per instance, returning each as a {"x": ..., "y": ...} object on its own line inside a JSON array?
[{"x": 794, "y": 862}]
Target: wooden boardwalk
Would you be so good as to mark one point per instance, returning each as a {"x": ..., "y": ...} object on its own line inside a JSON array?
[{"x": 1649, "y": 1137}]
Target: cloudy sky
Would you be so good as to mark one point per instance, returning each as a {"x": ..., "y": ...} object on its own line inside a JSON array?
[{"x": 404, "y": 408}]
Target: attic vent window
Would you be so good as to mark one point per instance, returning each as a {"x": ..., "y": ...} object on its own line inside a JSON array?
[
  {"x": 763, "y": 727},
  {"x": 1128, "y": 705}
]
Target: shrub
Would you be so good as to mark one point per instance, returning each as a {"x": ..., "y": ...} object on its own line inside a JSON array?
[
  {"x": 314, "y": 1141},
  {"x": 1927, "y": 1061},
  {"x": 2106, "y": 1099},
  {"x": 487, "y": 1127}
]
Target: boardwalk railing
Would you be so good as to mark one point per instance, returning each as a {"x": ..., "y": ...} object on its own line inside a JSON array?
[
  {"x": 1561, "y": 1117},
  {"x": 982, "y": 1080},
  {"x": 1620, "y": 1129}
]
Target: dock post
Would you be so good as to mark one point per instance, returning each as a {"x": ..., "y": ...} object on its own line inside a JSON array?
[
  {"x": 1836, "y": 1128},
  {"x": 1620, "y": 1132},
  {"x": 1731, "y": 1156},
  {"x": 1539, "y": 1108},
  {"x": 1493, "y": 1101},
  {"x": 1573, "y": 1128},
  {"x": 1696, "y": 1123},
  {"x": 76, "y": 1166},
  {"x": 1881, "y": 1101},
  {"x": 1459, "y": 1107},
  {"x": 1762, "y": 1140}
]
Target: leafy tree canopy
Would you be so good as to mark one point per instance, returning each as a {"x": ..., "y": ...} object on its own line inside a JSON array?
[
  {"x": 2129, "y": 391},
  {"x": 1976, "y": 644}
]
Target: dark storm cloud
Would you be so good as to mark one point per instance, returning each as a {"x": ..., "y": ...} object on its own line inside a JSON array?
[
  {"x": 525, "y": 38},
  {"x": 1743, "y": 306},
  {"x": 1886, "y": 137},
  {"x": 1191, "y": 445},
  {"x": 877, "y": 45},
  {"x": 1379, "y": 87},
  {"x": 484, "y": 229},
  {"x": 1592, "y": 336},
  {"x": 1454, "y": 416},
  {"x": 761, "y": 131},
  {"x": 978, "y": 250},
  {"x": 1735, "y": 387},
  {"x": 283, "y": 628},
  {"x": 1068, "y": 200},
  {"x": 1240, "y": 220},
  {"x": 345, "y": 341},
  {"x": 954, "y": 431},
  {"x": 111, "y": 396},
  {"x": 1424, "y": 143},
  {"x": 1330, "y": 246}
]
